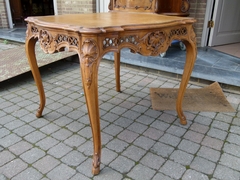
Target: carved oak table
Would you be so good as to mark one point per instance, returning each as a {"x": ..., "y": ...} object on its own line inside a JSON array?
[{"x": 93, "y": 35}]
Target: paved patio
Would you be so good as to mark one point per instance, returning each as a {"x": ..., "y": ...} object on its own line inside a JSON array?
[
  {"x": 13, "y": 59},
  {"x": 138, "y": 142}
]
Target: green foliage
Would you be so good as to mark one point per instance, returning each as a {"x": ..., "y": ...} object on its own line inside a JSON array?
[{"x": 5, "y": 41}]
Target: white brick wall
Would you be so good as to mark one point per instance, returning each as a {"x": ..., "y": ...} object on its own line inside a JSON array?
[
  {"x": 197, "y": 10},
  {"x": 77, "y": 6}
]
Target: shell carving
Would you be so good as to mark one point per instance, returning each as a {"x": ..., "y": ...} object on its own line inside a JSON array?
[{"x": 88, "y": 55}]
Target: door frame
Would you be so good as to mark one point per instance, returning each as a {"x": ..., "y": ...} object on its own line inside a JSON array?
[
  {"x": 9, "y": 14},
  {"x": 55, "y": 8},
  {"x": 212, "y": 12},
  {"x": 208, "y": 17},
  {"x": 102, "y": 5}
]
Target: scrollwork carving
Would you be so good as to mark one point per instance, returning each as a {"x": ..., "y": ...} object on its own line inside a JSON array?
[
  {"x": 46, "y": 42},
  {"x": 154, "y": 41},
  {"x": 151, "y": 43},
  {"x": 34, "y": 30},
  {"x": 193, "y": 36},
  {"x": 51, "y": 44},
  {"x": 31, "y": 31},
  {"x": 146, "y": 5},
  {"x": 185, "y": 6},
  {"x": 110, "y": 5},
  {"x": 88, "y": 56}
]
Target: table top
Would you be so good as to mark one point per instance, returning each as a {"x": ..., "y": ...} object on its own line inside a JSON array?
[{"x": 107, "y": 22}]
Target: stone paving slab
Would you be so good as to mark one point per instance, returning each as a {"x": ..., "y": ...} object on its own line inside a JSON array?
[
  {"x": 138, "y": 142},
  {"x": 13, "y": 60}
]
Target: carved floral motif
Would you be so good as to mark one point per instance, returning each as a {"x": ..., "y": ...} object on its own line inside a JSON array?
[
  {"x": 88, "y": 55},
  {"x": 31, "y": 31},
  {"x": 154, "y": 41},
  {"x": 50, "y": 43},
  {"x": 34, "y": 29},
  {"x": 46, "y": 42},
  {"x": 146, "y": 5}
]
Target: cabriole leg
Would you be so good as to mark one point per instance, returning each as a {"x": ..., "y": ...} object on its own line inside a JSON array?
[
  {"x": 30, "y": 52},
  {"x": 117, "y": 70},
  {"x": 189, "y": 64},
  {"x": 89, "y": 60}
]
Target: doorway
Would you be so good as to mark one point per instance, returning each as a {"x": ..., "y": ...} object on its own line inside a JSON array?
[
  {"x": 226, "y": 17},
  {"x": 20, "y": 9},
  {"x": 224, "y": 36}
]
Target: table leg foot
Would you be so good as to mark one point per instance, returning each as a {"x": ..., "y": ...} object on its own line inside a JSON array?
[
  {"x": 96, "y": 164},
  {"x": 95, "y": 171},
  {"x": 183, "y": 120},
  {"x": 182, "y": 117},
  {"x": 39, "y": 112}
]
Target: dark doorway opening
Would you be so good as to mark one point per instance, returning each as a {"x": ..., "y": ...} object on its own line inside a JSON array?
[{"x": 23, "y": 8}]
